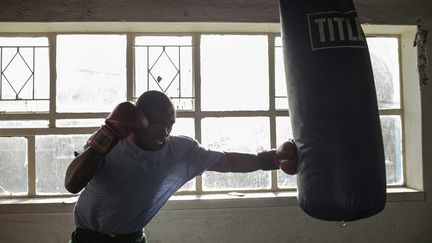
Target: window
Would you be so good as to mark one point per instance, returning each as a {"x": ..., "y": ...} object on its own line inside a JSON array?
[
  {"x": 91, "y": 69},
  {"x": 229, "y": 90},
  {"x": 384, "y": 53},
  {"x": 24, "y": 80}
]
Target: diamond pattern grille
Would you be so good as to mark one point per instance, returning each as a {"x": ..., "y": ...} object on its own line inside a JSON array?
[
  {"x": 164, "y": 71},
  {"x": 17, "y": 73},
  {"x": 167, "y": 68}
]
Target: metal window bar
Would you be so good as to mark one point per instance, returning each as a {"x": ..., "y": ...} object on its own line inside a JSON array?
[
  {"x": 3, "y": 70},
  {"x": 148, "y": 63},
  {"x": 179, "y": 62},
  {"x": 177, "y": 67},
  {"x": 31, "y": 77},
  {"x": 157, "y": 80},
  {"x": 34, "y": 60}
]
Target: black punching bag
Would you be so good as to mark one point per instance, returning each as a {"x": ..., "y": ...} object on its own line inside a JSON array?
[{"x": 333, "y": 109}]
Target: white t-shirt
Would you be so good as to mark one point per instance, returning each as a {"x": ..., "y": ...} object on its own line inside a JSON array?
[{"x": 133, "y": 184}]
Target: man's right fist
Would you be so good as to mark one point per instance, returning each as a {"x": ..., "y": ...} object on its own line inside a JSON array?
[
  {"x": 286, "y": 157},
  {"x": 125, "y": 119}
]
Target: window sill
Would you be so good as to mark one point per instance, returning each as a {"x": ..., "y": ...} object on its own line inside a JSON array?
[{"x": 190, "y": 202}]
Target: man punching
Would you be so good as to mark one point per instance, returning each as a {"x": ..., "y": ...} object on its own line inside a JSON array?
[{"x": 132, "y": 165}]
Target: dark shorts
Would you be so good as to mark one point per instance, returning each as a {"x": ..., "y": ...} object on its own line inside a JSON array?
[{"x": 88, "y": 236}]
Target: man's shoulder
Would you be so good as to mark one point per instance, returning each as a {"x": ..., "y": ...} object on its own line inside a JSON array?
[
  {"x": 181, "y": 145},
  {"x": 182, "y": 139}
]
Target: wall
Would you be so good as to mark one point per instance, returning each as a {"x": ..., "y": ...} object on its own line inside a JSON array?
[
  {"x": 378, "y": 11},
  {"x": 405, "y": 219}
]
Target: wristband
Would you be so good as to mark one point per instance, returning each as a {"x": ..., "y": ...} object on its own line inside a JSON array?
[
  {"x": 265, "y": 160},
  {"x": 102, "y": 141}
]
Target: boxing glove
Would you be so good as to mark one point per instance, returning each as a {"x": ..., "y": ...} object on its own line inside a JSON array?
[
  {"x": 286, "y": 157},
  {"x": 125, "y": 119}
]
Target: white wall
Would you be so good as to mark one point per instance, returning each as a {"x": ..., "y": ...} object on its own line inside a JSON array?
[{"x": 405, "y": 219}]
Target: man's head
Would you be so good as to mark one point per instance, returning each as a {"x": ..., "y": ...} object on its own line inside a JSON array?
[{"x": 160, "y": 113}]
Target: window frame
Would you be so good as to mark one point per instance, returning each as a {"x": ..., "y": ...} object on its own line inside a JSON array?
[{"x": 270, "y": 30}]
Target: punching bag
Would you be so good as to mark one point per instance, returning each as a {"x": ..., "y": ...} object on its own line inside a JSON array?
[{"x": 333, "y": 110}]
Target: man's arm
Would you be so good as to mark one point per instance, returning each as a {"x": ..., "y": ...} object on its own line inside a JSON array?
[
  {"x": 284, "y": 157},
  {"x": 123, "y": 120},
  {"x": 244, "y": 162},
  {"x": 82, "y": 169}
]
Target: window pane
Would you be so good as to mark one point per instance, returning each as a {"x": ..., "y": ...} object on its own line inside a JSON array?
[
  {"x": 392, "y": 133},
  {"x": 240, "y": 134},
  {"x": 189, "y": 186},
  {"x": 24, "y": 83},
  {"x": 391, "y": 130},
  {"x": 184, "y": 126},
  {"x": 53, "y": 156},
  {"x": 281, "y": 93},
  {"x": 384, "y": 53},
  {"x": 24, "y": 124},
  {"x": 165, "y": 63},
  {"x": 234, "y": 72},
  {"x": 96, "y": 122},
  {"x": 283, "y": 133},
  {"x": 91, "y": 72},
  {"x": 13, "y": 165}
]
